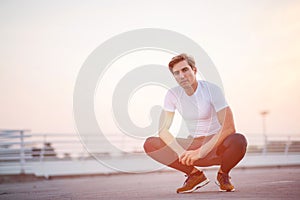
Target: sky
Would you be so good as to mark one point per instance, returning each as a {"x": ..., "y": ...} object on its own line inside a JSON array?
[{"x": 254, "y": 45}]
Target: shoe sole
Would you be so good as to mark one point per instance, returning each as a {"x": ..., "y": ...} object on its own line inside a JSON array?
[
  {"x": 218, "y": 184},
  {"x": 200, "y": 185}
]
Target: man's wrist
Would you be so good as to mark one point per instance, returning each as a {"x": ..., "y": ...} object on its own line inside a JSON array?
[
  {"x": 176, "y": 147},
  {"x": 202, "y": 153}
]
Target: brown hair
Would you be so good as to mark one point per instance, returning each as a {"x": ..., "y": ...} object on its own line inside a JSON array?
[{"x": 190, "y": 60}]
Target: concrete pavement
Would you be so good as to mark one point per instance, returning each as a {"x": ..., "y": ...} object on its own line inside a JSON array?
[{"x": 250, "y": 183}]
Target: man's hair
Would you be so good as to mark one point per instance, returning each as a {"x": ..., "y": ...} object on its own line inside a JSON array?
[{"x": 190, "y": 60}]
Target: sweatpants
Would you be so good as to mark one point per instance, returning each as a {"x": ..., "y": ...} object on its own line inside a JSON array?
[{"x": 228, "y": 154}]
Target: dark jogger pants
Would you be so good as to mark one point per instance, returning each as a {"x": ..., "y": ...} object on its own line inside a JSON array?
[{"x": 227, "y": 154}]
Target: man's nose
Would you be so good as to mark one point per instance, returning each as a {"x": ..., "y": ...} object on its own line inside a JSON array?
[{"x": 181, "y": 74}]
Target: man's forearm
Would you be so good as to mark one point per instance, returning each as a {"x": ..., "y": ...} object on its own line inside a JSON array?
[
  {"x": 168, "y": 138},
  {"x": 224, "y": 134},
  {"x": 215, "y": 141}
]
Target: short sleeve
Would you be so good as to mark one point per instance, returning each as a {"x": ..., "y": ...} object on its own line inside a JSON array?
[
  {"x": 170, "y": 102},
  {"x": 217, "y": 97}
]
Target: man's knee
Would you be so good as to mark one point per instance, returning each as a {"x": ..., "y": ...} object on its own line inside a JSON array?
[
  {"x": 151, "y": 144},
  {"x": 237, "y": 140}
]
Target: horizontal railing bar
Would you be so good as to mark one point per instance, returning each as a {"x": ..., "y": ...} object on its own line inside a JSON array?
[
  {"x": 17, "y": 149},
  {"x": 13, "y": 143},
  {"x": 14, "y": 158},
  {"x": 14, "y": 136},
  {"x": 13, "y": 130}
]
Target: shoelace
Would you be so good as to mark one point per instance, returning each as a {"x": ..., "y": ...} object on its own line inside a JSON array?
[
  {"x": 189, "y": 177},
  {"x": 225, "y": 178},
  {"x": 186, "y": 180}
]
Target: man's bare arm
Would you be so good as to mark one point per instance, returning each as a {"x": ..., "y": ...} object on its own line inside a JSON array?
[
  {"x": 225, "y": 118},
  {"x": 165, "y": 122}
]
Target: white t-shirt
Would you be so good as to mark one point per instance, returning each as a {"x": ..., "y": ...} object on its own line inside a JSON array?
[{"x": 199, "y": 110}]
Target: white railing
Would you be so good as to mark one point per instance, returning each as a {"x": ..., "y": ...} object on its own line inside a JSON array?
[
  {"x": 18, "y": 147},
  {"x": 280, "y": 144}
]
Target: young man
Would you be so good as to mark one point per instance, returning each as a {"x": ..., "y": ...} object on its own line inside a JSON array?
[{"x": 210, "y": 123}]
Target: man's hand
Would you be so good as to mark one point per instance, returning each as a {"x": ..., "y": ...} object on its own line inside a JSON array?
[{"x": 189, "y": 157}]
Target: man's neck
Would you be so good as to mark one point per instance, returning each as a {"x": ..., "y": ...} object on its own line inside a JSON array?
[{"x": 191, "y": 89}]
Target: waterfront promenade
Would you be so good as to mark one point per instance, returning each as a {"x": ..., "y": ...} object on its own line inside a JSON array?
[{"x": 265, "y": 173}]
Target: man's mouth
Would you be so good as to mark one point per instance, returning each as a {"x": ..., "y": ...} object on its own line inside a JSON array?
[{"x": 185, "y": 81}]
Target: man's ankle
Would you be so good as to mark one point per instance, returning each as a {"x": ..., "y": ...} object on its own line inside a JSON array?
[
  {"x": 195, "y": 170},
  {"x": 222, "y": 172}
]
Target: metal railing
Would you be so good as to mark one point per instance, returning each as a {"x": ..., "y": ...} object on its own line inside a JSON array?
[
  {"x": 279, "y": 144},
  {"x": 18, "y": 147}
]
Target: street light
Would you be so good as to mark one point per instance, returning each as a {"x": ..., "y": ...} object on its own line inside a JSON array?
[{"x": 264, "y": 128}]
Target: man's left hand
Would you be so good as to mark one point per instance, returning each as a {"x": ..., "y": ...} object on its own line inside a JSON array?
[{"x": 189, "y": 157}]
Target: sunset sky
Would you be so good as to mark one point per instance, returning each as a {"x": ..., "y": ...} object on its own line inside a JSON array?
[{"x": 255, "y": 45}]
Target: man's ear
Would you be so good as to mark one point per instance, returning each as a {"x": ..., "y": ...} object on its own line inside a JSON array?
[{"x": 195, "y": 70}]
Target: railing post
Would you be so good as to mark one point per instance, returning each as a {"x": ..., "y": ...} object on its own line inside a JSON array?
[
  {"x": 265, "y": 145},
  {"x": 22, "y": 152},
  {"x": 287, "y": 145},
  {"x": 42, "y": 152}
]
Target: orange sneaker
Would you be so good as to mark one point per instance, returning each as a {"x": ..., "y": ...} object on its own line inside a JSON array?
[
  {"x": 193, "y": 182},
  {"x": 224, "y": 183}
]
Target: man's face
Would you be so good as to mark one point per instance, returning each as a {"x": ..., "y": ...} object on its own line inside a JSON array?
[{"x": 184, "y": 74}]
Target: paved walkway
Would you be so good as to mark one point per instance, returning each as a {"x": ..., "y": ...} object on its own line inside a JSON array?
[
  {"x": 128, "y": 163},
  {"x": 251, "y": 183}
]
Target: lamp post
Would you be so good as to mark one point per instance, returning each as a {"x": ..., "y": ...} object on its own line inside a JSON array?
[{"x": 264, "y": 128}]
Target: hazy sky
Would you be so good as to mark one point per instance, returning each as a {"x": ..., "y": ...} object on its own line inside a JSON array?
[{"x": 254, "y": 44}]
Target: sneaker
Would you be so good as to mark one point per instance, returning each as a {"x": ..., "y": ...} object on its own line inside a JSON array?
[
  {"x": 193, "y": 182},
  {"x": 224, "y": 183}
]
